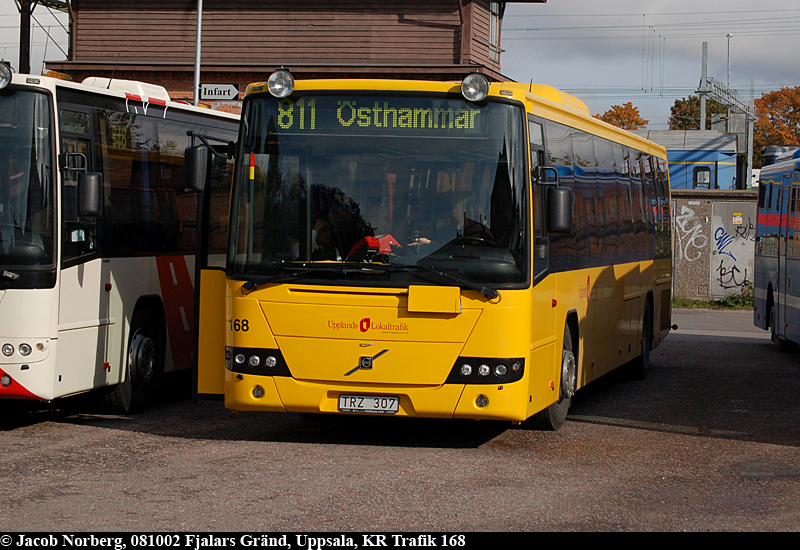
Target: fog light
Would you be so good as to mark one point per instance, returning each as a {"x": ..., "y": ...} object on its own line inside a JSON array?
[
  {"x": 239, "y": 359},
  {"x": 5, "y": 381},
  {"x": 466, "y": 369},
  {"x": 25, "y": 349},
  {"x": 8, "y": 350},
  {"x": 481, "y": 401},
  {"x": 500, "y": 369},
  {"x": 255, "y": 360},
  {"x": 258, "y": 392},
  {"x": 484, "y": 370},
  {"x": 271, "y": 361}
]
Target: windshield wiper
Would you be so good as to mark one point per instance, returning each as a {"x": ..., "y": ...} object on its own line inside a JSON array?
[
  {"x": 301, "y": 271},
  {"x": 490, "y": 293}
]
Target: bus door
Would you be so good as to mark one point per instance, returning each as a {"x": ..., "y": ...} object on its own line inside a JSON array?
[
  {"x": 210, "y": 280},
  {"x": 85, "y": 282},
  {"x": 783, "y": 280},
  {"x": 543, "y": 323}
]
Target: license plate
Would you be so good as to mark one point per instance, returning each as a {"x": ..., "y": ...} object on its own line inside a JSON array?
[{"x": 377, "y": 404}]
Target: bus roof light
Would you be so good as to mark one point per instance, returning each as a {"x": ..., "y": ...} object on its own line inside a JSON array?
[
  {"x": 280, "y": 83},
  {"x": 475, "y": 87}
]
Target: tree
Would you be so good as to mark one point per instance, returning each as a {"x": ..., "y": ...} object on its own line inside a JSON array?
[
  {"x": 685, "y": 113},
  {"x": 778, "y": 118},
  {"x": 624, "y": 116}
]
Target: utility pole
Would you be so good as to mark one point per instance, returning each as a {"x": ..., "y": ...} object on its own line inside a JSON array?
[
  {"x": 196, "y": 93},
  {"x": 728, "y": 120},
  {"x": 750, "y": 130},
  {"x": 723, "y": 94},
  {"x": 703, "y": 91},
  {"x": 25, "y": 8}
]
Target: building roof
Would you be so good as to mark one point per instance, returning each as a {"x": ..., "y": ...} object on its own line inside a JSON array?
[{"x": 691, "y": 140}]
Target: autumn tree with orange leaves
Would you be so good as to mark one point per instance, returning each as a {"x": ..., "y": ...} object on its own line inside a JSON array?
[
  {"x": 624, "y": 116},
  {"x": 778, "y": 118}
]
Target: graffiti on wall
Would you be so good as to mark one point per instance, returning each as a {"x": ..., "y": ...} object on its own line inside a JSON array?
[
  {"x": 689, "y": 235},
  {"x": 733, "y": 249}
]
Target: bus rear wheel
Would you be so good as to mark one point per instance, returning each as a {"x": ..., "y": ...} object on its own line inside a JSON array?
[
  {"x": 554, "y": 416},
  {"x": 641, "y": 365},
  {"x": 145, "y": 365},
  {"x": 780, "y": 344}
]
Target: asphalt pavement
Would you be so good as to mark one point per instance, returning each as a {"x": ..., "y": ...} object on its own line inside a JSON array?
[{"x": 710, "y": 441}]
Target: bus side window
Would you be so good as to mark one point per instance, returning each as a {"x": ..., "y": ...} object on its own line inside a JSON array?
[
  {"x": 537, "y": 160},
  {"x": 78, "y": 235},
  {"x": 762, "y": 193}
]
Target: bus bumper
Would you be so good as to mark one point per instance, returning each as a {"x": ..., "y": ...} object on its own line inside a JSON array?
[{"x": 246, "y": 392}]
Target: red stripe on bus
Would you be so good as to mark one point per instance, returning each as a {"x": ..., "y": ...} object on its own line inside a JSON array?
[
  {"x": 15, "y": 390},
  {"x": 177, "y": 293}
]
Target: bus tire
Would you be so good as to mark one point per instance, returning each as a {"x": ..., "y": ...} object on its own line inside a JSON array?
[
  {"x": 554, "y": 416},
  {"x": 641, "y": 365},
  {"x": 145, "y": 365},
  {"x": 780, "y": 344}
]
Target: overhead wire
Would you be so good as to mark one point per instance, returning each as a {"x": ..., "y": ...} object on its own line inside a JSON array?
[{"x": 656, "y": 27}]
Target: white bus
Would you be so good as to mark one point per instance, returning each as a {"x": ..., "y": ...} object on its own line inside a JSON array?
[{"x": 98, "y": 235}]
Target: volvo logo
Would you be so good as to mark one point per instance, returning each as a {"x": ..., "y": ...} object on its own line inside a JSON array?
[{"x": 365, "y": 362}]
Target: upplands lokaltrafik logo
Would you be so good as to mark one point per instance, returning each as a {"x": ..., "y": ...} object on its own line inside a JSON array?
[{"x": 366, "y": 324}]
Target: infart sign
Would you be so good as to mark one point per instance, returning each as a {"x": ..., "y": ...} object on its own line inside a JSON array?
[{"x": 219, "y": 91}]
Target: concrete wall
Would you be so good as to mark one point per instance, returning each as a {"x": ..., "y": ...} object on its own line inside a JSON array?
[{"x": 714, "y": 242}]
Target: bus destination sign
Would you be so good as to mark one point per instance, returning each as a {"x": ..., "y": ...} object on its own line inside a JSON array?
[{"x": 378, "y": 115}]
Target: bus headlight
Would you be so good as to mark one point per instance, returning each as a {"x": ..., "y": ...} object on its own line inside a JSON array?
[
  {"x": 280, "y": 83},
  {"x": 5, "y": 75},
  {"x": 8, "y": 350},
  {"x": 486, "y": 370},
  {"x": 475, "y": 87},
  {"x": 24, "y": 349}
]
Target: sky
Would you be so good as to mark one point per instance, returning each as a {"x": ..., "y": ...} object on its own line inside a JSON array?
[
  {"x": 606, "y": 52},
  {"x": 649, "y": 52}
]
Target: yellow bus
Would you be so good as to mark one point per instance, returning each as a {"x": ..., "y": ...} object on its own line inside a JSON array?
[{"x": 433, "y": 249}]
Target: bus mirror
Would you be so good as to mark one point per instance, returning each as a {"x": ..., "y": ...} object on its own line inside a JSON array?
[
  {"x": 89, "y": 194},
  {"x": 195, "y": 167},
  {"x": 545, "y": 175},
  {"x": 559, "y": 210},
  {"x": 73, "y": 162}
]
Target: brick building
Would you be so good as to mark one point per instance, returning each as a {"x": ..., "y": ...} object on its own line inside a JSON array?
[{"x": 244, "y": 40}]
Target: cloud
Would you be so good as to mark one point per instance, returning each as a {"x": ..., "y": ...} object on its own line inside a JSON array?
[{"x": 609, "y": 53}]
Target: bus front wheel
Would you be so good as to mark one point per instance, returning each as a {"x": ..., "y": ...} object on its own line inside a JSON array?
[
  {"x": 145, "y": 365},
  {"x": 554, "y": 416}
]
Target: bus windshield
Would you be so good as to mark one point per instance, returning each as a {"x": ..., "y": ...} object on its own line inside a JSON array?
[
  {"x": 434, "y": 183},
  {"x": 26, "y": 179}
]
